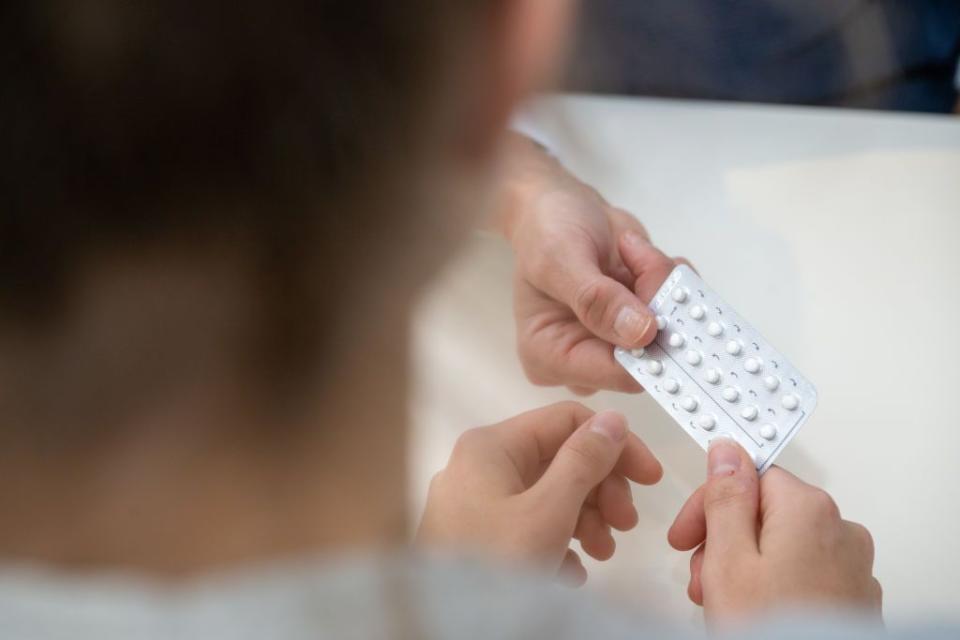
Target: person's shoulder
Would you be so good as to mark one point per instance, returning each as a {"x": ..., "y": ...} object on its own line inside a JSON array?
[
  {"x": 461, "y": 598},
  {"x": 422, "y": 596}
]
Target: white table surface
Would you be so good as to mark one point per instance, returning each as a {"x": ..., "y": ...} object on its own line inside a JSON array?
[{"x": 837, "y": 234}]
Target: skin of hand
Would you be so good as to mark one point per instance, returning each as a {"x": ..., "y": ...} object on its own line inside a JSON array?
[
  {"x": 522, "y": 489},
  {"x": 770, "y": 542},
  {"x": 584, "y": 273}
]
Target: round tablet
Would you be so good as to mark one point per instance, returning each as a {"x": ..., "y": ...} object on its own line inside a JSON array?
[
  {"x": 733, "y": 347},
  {"x": 676, "y": 340},
  {"x": 689, "y": 403},
  {"x": 715, "y": 329},
  {"x": 750, "y": 412},
  {"x": 638, "y": 352},
  {"x": 679, "y": 294},
  {"x": 771, "y": 382},
  {"x": 752, "y": 365},
  {"x": 670, "y": 385},
  {"x": 697, "y": 312},
  {"x": 706, "y": 422},
  {"x": 712, "y": 376},
  {"x": 730, "y": 394},
  {"x": 661, "y": 323},
  {"x": 790, "y": 402},
  {"x": 655, "y": 367},
  {"x": 694, "y": 357},
  {"x": 768, "y": 432}
]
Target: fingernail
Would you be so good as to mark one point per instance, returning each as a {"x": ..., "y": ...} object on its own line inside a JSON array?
[
  {"x": 610, "y": 424},
  {"x": 723, "y": 456},
  {"x": 630, "y": 325}
]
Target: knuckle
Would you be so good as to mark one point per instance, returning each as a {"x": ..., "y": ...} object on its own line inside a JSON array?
[
  {"x": 823, "y": 504},
  {"x": 662, "y": 262},
  {"x": 436, "y": 482},
  {"x": 629, "y": 221},
  {"x": 535, "y": 372},
  {"x": 536, "y": 378},
  {"x": 531, "y": 357},
  {"x": 863, "y": 538},
  {"x": 591, "y": 300},
  {"x": 584, "y": 456},
  {"x": 572, "y": 408},
  {"x": 466, "y": 443},
  {"x": 581, "y": 391},
  {"x": 530, "y": 361},
  {"x": 727, "y": 491}
]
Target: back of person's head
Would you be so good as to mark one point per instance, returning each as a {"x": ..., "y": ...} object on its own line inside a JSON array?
[{"x": 190, "y": 189}]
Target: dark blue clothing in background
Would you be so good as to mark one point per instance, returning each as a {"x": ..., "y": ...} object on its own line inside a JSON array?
[{"x": 882, "y": 54}]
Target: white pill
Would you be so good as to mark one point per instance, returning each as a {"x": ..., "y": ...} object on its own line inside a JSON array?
[
  {"x": 694, "y": 357},
  {"x": 733, "y": 347},
  {"x": 715, "y": 329},
  {"x": 671, "y": 385},
  {"x": 790, "y": 402},
  {"x": 638, "y": 353},
  {"x": 654, "y": 367},
  {"x": 712, "y": 376},
  {"x": 661, "y": 323},
  {"x": 679, "y": 294},
  {"x": 768, "y": 432},
  {"x": 771, "y": 382},
  {"x": 749, "y": 412},
  {"x": 730, "y": 394},
  {"x": 676, "y": 340},
  {"x": 697, "y": 312},
  {"x": 689, "y": 403},
  {"x": 752, "y": 365},
  {"x": 706, "y": 422}
]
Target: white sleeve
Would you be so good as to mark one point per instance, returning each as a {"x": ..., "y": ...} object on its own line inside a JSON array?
[{"x": 523, "y": 122}]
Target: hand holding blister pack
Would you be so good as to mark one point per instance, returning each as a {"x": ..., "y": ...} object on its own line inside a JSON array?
[{"x": 716, "y": 375}]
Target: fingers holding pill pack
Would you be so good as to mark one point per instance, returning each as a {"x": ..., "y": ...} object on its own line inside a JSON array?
[{"x": 716, "y": 375}]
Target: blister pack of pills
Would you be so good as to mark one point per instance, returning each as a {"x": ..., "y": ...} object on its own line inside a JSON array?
[{"x": 716, "y": 375}]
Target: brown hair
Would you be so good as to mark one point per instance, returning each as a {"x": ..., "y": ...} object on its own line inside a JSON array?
[{"x": 255, "y": 124}]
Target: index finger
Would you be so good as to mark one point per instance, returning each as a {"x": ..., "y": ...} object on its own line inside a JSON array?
[
  {"x": 534, "y": 438},
  {"x": 638, "y": 463},
  {"x": 649, "y": 265},
  {"x": 590, "y": 363},
  {"x": 555, "y": 348},
  {"x": 689, "y": 528}
]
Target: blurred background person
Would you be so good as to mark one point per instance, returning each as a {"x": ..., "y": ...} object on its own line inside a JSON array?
[{"x": 873, "y": 54}]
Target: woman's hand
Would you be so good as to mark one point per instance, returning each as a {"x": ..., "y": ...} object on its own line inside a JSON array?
[
  {"x": 523, "y": 488},
  {"x": 771, "y": 542},
  {"x": 585, "y": 271}
]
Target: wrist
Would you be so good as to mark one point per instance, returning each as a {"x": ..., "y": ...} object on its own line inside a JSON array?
[{"x": 529, "y": 172}]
